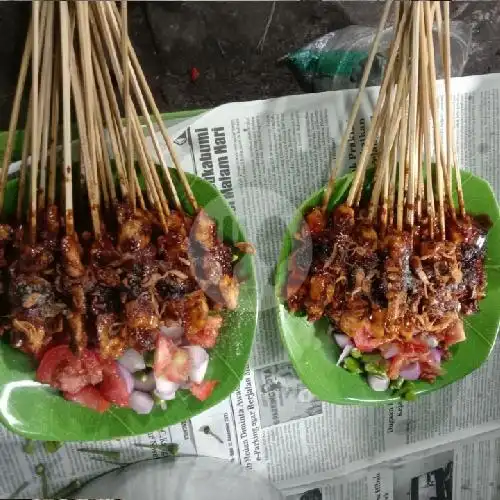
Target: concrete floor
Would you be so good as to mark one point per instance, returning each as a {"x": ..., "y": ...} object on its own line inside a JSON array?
[{"x": 220, "y": 39}]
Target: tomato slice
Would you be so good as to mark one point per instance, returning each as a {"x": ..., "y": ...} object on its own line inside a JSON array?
[
  {"x": 365, "y": 341},
  {"x": 171, "y": 362},
  {"x": 113, "y": 387},
  {"x": 93, "y": 365},
  {"x": 207, "y": 336},
  {"x": 51, "y": 360},
  {"x": 178, "y": 369},
  {"x": 89, "y": 397},
  {"x": 204, "y": 390},
  {"x": 163, "y": 355}
]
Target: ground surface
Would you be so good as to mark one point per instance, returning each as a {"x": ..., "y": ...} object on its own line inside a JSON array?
[{"x": 220, "y": 39}]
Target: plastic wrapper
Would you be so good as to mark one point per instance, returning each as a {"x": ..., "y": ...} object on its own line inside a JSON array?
[{"x": 336, "y": 61}]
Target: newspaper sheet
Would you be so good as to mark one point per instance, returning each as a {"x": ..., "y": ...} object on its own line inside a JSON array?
[
  {"x": 460, "y": 470},
  {"x": 266, "y": 157}
]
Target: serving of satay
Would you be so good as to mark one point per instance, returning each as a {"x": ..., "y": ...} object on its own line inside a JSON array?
[
  {"x": 396, "y": 266},
  {"x": 109, "y": 281}
]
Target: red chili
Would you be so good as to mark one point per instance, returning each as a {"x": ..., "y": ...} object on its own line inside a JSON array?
[{"x": 194, "y": 74}]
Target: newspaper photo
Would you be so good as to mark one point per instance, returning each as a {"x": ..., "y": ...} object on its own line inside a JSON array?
[{"x": 266, "y": 158}]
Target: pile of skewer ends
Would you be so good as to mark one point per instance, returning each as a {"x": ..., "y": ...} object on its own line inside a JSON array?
[
  {"x": 416, "y": 175},
  {"x": 104, "y": 218},
  {"x": 397, "y": 262}
]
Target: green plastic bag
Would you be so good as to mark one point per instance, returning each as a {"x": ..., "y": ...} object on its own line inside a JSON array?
[{"x": 336, "y": 60}]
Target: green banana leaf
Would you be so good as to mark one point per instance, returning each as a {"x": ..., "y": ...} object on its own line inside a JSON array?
[
  {"x": 38, "y": 412},
  {"x": 313, "y": 352}
]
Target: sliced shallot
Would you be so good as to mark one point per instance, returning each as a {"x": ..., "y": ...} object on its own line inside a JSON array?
[
  {"x": 172, "y": 332},
  {"x": 379, "y": 383},
  {"x": 436, "y": 356},
  {"x": 432, "y": 341},
  {"x": 141, "y": 402},
  {"x": 165, "y": 396},
  {"x": 132, "y": 361},
  {"x": 390, "y": 350},
  {"x": 411, "y": 371},
  {"x": 342, "y": 340},
  {"x": 165, "y": 386},
  {"x": 127, "y": 378},
  {"x": 345, "y": 352},
  {"x": 199, "y": 363},
  {"x": 145, "y": 382}
]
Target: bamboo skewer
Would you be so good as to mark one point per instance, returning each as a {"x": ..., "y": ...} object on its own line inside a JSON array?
[
  {"x": 440, "y": 173},
  {"x": 87, "y": 116},
  {"x": 425, "y": 120},
  {"x": 66, "y": 112},
  {"x": 14, "y": 117},
  {"x": 24, "y": 163},
  {"x": 113, "y": 27},
  {"x": 54, "y": 125},
  {"x": 159, "y": 120},
  {"x": 101, "y": 140},
  {"x": 106, "y": 82},
  {"x": 101, "y": 171},
  {"x": 127, "y": 103},
  {"x": 110, "y": 106},
  {"x": 450, "y": 150},
  {"x": 336, "y": 164},
  {"x": 161, "y": 203},
  {"x": 370, "y": 139},
  {"x": 412, "y": 131},
  {"x": 45, "y": 90},
  {"x": 34, "y": 120}
]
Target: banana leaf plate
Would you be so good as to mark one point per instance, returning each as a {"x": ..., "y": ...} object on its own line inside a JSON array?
[
  {"x": 313, "y": 352},
  {"x": 37, "y": 412}
]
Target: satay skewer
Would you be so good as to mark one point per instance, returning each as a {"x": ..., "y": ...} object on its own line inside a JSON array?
[
  {"x": 45, "y": 104},
  {"x": 109, "y": 107},
  {"x": 425, "y": 120},
  {"x": 35, "y": 67},
  {"x": 440, "y": 171},
  {"x": 87, "y": 115},
  {"x": 340, "y": 154},
  {"x": 127, "y": 103},
  {"x": 154, "y": 108},
  {"x": 67, "y": 166},
  {"x": 371, "y": 136},
  {"x": 54, "y": 127},
  {"x": 105, "y": 81},
  {"x": 14, "y": 116},
  {"x": 450, "y": 144},
  {"x": 111, "y": 29},
  {"x": 446, "y": 163},
  {"x": 152, "y": 171},
  {"x": 103, "y": 147},
  {"x": 413, "y": 131},
  {"x": 23, "y": 168}
]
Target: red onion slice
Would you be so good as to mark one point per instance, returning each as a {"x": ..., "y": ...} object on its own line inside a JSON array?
[
  {"x": 165, "y": 396},
  {"x": 127, "y": 377},
  {"x": 141, "y": 402},
  {"x": 345, "y": 352},
  {"x": 172, "y": 332},
  {"x": 132, "y": 361},
  {"x": 432, "y": 341},
  {"x": 145, "y": 383},
  {"x": 436, "y": 356},
  {"x": 379, "y": 383},
  {"x": 411, "y": 371},
  {"x": 389, "y": 350},
  {"x": 199, "y": 363},
  {"x": 165, "y": 386},
  {"x": 342, "y": 340}
]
